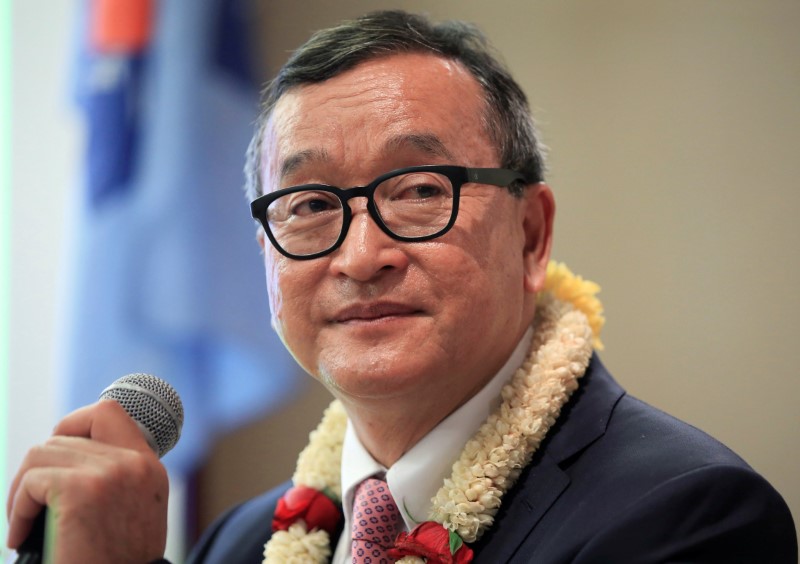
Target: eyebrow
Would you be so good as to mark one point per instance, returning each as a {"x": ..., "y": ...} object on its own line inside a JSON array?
[
  {"x": 427, "y": 143},
  {"x": 294, "y": 161}
]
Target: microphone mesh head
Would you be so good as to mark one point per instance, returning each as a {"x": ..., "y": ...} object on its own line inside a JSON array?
[{"x": 153, "y": 404}]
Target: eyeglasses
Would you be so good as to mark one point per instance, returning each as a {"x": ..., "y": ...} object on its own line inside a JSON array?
[{"x": 418, "y": 203}]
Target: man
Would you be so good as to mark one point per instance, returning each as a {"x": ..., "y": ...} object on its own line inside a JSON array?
[{"x": 414, "y": 298}]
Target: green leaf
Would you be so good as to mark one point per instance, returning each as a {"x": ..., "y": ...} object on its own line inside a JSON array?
[
  {"x": 333, "y": 497},
  {"x": 455, "y": 542}
]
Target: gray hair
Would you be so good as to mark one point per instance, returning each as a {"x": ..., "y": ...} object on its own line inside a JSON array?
[{"x": 332, "y": 51}]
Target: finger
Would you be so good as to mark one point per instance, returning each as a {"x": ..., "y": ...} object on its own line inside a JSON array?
[
  {"x": 37, "y": 456},
  {"x": 59, "y": 452},
  {"x": 105, "y": 421},
  {"x": 29, "y": 500},
  {"x": 34, "y": 458},
  {"x": 70, "y": 468}
]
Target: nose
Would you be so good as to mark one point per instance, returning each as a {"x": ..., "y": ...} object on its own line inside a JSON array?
[{"x": 366, "y": 252}]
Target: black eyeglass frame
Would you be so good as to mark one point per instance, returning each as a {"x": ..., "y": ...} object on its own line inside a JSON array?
[{"x": 458, "y": 176}]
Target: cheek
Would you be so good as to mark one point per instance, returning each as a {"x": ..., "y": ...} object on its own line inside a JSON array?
[
  {"x": 292, "y": 294},
  {"x": 279, "y": 275},
  {"x": 474, "y": 279},
  {"x": 484, "y": 271},
  {"x": 493, "y": 251}
]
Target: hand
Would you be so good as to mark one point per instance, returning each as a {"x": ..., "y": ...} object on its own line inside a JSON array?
[{"x": 105, "y": 490}]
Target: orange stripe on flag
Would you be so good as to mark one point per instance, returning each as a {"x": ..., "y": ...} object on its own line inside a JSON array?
[{"x": 120, "y": 25}]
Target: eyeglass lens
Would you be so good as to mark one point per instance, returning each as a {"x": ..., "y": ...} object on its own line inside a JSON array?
[{"x": 412, "y": 205}]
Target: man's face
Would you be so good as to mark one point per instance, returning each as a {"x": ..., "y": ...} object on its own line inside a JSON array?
[{"x": 383, "y": 319}]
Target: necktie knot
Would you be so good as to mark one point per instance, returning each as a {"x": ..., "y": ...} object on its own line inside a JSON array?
[{"x": 376, "y": 522}]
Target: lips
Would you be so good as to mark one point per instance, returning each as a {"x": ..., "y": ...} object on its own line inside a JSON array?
[{"x": 374, "y": 311}]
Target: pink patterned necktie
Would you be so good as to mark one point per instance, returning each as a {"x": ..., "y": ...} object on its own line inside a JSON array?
[{"x": 376, "y": 522}]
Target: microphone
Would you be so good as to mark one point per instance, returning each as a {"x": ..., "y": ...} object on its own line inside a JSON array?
[{"x": 155, "y": 407}]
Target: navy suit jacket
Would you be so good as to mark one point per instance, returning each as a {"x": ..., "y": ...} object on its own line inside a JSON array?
[{"x": 615, "y": 481}]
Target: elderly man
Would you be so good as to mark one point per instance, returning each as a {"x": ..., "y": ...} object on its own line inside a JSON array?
[{"x": 406, "y": 229}]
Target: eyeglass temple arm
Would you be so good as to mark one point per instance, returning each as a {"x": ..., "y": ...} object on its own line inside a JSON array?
[{"x": 493, "y": 176}]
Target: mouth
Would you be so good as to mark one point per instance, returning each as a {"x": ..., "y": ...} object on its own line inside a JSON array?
[{"x": 375, "y": 312}]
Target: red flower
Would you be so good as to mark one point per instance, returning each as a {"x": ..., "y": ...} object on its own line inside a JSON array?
[
  {"x": 431, "y": 541},
  {"x": 308, "y": 504}
]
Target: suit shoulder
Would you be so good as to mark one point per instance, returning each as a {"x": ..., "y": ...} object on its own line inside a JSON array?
[
  {"x": 634, "y": 484},
  {"x": 714, "y": 513},
  {"x": 645, "y": 435},
  {"x": 239, "y": 534}
]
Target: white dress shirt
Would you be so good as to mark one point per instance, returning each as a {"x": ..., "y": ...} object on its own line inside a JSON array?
[{"x": 416, "y": 477}]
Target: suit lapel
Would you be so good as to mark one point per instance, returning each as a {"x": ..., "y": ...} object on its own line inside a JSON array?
[
  {"x": 538, "y": 488},
  {"x": 583, "y": 420}
]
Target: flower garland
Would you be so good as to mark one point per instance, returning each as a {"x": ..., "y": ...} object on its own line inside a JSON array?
[
  {"x": 567, "y": 325},
  {"x": 565, "y": 286}
]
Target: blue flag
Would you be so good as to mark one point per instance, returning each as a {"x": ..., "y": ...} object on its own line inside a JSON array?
[{"x": 167, "y": 278}]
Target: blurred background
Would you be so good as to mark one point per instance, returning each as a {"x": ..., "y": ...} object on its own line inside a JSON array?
[{"x": 673, "y": 128}]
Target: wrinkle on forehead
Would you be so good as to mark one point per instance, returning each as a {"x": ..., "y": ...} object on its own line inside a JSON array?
[
  {"x": 357, "y": 91},
  {"x": 425, "y": 143}
]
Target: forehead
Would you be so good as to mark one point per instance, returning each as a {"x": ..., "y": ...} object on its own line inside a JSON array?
[{"x": 398, "y": 110}]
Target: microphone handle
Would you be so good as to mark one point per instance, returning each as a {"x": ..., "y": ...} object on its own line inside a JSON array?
[{"x": 31, "y": 551}]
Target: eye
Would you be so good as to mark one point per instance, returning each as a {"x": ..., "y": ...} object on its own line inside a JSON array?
[
  {"x": 422, "y": 191},
  {"x": 418, "y": 186},
  {"x": 311, "y": 203},
  {"x": 302, "y": 206}
]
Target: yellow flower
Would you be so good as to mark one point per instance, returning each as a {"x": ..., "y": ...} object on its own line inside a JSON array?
[{"x": 568, "y": 287}]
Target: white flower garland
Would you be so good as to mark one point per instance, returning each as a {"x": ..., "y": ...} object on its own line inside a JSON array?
[{"x": 491, "y": 461}]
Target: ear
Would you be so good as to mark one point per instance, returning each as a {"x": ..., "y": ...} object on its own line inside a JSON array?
[{"x": 539, "y": 213}]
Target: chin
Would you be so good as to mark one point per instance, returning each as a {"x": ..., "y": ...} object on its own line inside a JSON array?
[{"x": 375, "y": 384}]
